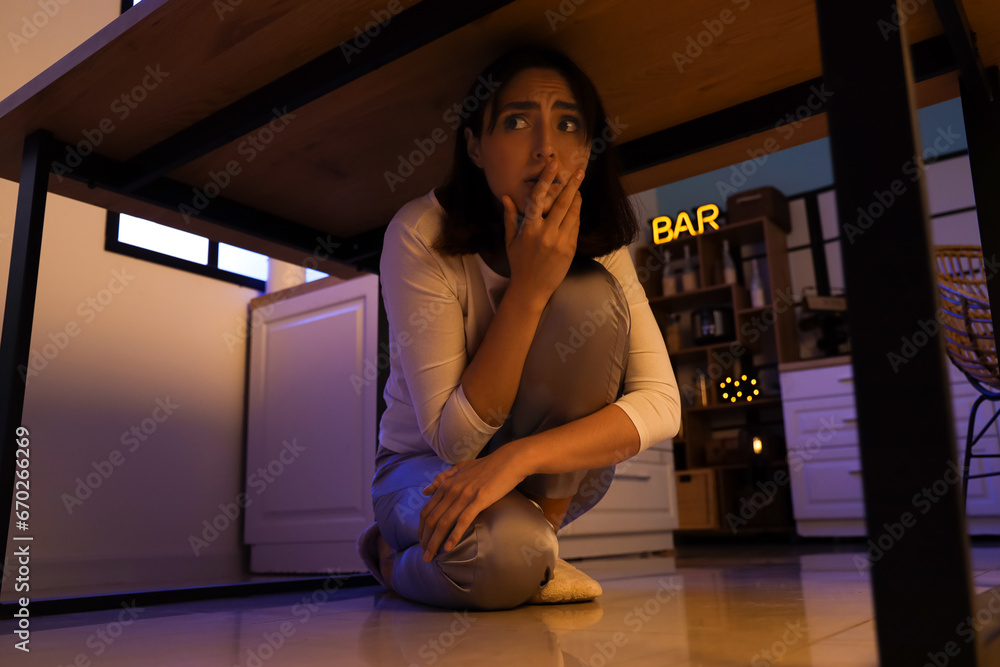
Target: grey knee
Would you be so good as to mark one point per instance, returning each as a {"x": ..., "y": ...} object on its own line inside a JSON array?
[
  {"x": 517, "y": 550},
  {"x": 590, "y": 292}
]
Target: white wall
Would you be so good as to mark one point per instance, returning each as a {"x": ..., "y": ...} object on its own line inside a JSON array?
[{"x": 153, "y": 334}]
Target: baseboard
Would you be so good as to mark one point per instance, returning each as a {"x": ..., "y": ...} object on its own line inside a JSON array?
[
  {"x": 592, "y": 546},
  {"x": 306, "y": 558}
]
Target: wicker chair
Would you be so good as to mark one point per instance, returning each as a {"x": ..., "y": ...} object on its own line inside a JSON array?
[{"x": 968, "y": 331}]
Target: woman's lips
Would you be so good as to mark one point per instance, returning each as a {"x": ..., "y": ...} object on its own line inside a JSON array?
[{"x": 534, "y": 181}]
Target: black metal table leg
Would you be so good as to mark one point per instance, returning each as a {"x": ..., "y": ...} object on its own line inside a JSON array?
[
  {"x": 19, "y": 310},
  {"x": 920, "y": 562}
]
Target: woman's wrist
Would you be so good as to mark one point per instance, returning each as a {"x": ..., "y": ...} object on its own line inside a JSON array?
[
  {"x": 522, "y": 455},
  {"x": 526, "y": 297}
]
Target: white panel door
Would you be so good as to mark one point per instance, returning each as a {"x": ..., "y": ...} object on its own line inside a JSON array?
[{"x": 311, "y": 432}]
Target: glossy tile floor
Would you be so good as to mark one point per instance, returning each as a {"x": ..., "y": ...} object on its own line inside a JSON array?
[{"x": 707, "y": 606}]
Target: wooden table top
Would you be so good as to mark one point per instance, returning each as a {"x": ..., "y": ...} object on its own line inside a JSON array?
[{"x": 326, "y": 167}]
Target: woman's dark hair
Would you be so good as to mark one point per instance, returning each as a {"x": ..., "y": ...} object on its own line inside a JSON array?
[{"x": 474, "y": 220}]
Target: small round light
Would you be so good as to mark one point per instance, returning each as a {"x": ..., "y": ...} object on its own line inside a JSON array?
[
  {"x": 753, "y": 381},
  {"x": 744, "y": 377},
  {"x": 729, "y": 379},
  {"x": 739, "y": 393},
  {"x": 749, "y": 398},
  {"x": 725, "y": 396},
  {"x": 755, "y": 392},
  {"x": 736, "y": 384},
  {"x": 722, "y": 385},
  {"x": 733, "y": 399}
]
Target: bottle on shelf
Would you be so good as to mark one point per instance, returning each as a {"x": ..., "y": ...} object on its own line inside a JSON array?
[
  {"x": 702, "y": 389},
  {"x": 669, "y": 279},
  {"x": 689, "y": 279},
  {"x": 756, "y": 288},
  {"x": 728, "y": 268}
]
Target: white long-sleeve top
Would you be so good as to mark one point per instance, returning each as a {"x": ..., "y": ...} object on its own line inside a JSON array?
[{"x": 439, "y": 308}]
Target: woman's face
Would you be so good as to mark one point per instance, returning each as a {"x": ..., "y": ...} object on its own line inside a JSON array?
[{"x": 537, "y": 122}]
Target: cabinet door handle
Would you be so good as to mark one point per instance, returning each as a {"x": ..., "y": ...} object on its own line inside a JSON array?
[
  {"x": 856, "y": 473},
  {"x": 846, "y": 379},
  {"x": 851, "y": 420},
  {"x": 641, "y": 478}
]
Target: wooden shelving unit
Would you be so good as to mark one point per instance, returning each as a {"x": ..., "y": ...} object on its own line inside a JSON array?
[{"x": 764, "y": 335}]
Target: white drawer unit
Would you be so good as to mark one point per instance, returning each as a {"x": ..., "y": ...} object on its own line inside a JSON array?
[
  {"x": 824, "y": 456},
  {"x": 831, "y": 485},
  {"x": 821, "y": 422},
  {"x": 814, "y": 382}
]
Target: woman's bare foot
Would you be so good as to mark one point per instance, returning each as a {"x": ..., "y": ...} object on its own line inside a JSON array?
[{"x": 386, "y": 556}]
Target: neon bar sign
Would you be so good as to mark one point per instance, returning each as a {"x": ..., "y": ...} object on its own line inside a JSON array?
[{"x": 665, "y": 230}]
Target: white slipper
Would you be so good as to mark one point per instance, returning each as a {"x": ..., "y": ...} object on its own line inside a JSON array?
[{"x": 568, "y": 584}]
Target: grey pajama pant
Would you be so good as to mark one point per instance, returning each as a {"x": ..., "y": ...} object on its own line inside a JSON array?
[{"x": 574, "y": 367}]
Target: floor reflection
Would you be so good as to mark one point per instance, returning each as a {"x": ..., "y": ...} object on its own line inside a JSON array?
[
  {"x": 788, "y": 605},
  {"x": 398, "y": 632}
]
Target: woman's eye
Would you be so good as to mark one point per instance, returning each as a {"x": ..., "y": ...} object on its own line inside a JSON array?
[
  {"x": 569, "y": 124},
  {"x": 514, "y": 122}
]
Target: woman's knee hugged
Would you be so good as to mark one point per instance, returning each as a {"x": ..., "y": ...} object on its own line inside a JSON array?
[
  {"x": 589, "y": 293},
  {"x": 517, "y": 549}
]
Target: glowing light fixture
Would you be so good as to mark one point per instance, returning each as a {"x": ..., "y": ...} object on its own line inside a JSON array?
[{"x": 742, "y": 388}]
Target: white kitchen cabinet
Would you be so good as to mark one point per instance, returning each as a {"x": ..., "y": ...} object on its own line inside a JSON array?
[
  {"x": 638, "y": 514},
  {"x": 311, "y": 425},
  {"x": 824, "y": 456}
]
